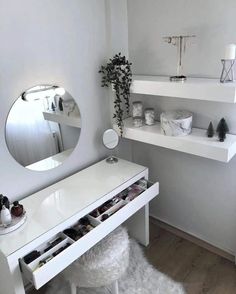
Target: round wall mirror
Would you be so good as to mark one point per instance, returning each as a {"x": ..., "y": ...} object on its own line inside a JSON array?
[{"x": 43, "y": 127}]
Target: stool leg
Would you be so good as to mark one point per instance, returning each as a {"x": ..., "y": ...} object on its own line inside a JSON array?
[
  {"x": 73, "y": 288},
  {"x": 115, "y": 288}
]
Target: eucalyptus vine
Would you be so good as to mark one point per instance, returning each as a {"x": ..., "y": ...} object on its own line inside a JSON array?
[{"x": 117, "y": 73}]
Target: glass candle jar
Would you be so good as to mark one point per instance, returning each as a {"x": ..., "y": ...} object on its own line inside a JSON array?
[
  {"x": 137, "y": 121},
  {"x": 137, "y": 109},
  {"x": 149, "y": 115}
]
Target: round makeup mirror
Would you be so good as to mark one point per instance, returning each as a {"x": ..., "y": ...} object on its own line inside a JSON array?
[
  {"x": 111, "y": 140},
  {"x": 43, "y": 127}
]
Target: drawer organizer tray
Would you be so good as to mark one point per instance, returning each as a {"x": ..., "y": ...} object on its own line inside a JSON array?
[{"x": 117, "y": 214}]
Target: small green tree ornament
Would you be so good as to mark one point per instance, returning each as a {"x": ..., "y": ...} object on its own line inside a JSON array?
[
  {"x": 210, "y": 130},
  {"x": 117, "y": 73},
  {"x": 222, "y": 130}
]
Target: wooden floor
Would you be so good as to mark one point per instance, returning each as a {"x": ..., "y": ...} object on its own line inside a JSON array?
[{"x": 199, "y": 270}]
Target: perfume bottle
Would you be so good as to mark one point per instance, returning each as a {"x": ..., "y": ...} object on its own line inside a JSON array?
[
  {"x": 60, "y": 104},
  {"x": 4, "y": 201},
  {"x": 5, "y": 216},
  {"x": 17, "y": 209}
]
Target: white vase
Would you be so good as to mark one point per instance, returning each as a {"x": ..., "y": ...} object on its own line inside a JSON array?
[{"x": 5, "y": 216}]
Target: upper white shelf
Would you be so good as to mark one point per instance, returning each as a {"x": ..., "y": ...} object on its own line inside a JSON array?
[
  {"x": 73, "y": 121},
  {"x": 197, "y": 143},
  {"x": 193, "y": 88}
]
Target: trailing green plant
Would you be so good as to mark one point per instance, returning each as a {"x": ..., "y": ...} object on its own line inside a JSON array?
[{"x": 117, "y": 72}]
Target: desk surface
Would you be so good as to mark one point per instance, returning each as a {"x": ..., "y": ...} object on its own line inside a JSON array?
[{"x": 55, "y": 204}]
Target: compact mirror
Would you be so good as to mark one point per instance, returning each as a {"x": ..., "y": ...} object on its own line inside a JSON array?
[
  {"x": 111, "y": 140},
  {"x": 43, "y": 127}
]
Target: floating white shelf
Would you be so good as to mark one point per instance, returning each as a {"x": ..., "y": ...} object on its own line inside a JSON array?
[
  {"x": 193, "y": 88},
  {"x": 73, "y": 121},
  {"x": 196, "y": 143}
]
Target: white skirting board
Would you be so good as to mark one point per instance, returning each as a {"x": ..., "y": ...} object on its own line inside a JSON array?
[{"x": 194, "y": 239}]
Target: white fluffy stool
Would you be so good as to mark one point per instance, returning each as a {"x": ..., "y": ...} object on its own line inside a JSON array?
[{"x": 102, "y": 265}]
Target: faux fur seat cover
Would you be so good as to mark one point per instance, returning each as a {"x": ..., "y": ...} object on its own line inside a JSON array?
[{"x": 102, "y": 264}]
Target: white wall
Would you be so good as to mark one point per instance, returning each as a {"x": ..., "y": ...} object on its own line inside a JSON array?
[
  {"x": 54, "y": 42},
  {"x": 197, "y": 195},
  {"x": 117, "y": 30}
]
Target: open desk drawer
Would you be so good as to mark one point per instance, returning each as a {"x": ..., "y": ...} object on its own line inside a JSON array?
[{"x": 42, "y": 275}]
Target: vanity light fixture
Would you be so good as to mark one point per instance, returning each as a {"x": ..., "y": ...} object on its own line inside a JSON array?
[
  {"x": 60, "y": 91},
  {"x": 41, "y": 92}
]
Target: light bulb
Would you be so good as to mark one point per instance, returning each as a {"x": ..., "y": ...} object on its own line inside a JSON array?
[
  {"x": 39, "y": 95},
  {"x": 60, "y": 91}
]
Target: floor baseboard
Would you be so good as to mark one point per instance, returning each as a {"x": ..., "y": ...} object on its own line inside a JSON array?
[{"x": 192, "y": 239}]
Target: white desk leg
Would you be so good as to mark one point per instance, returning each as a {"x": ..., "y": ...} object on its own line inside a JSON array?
[
  {"x": 10, "y": 277},
  {"x": 138, "y": 225},
  {"x": 115, "y": 288},
  {"x": 73, "y": 288}
]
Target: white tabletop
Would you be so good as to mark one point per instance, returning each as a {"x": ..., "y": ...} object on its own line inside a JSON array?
[{"x": 55, "y": 204}]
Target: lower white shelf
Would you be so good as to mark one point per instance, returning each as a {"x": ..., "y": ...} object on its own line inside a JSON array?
[
  {"x": 61, "y": 118},
  {"x": 197, "y": 143}
]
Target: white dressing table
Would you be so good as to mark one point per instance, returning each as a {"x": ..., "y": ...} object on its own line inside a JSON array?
[{"x": 60, "y": 206}]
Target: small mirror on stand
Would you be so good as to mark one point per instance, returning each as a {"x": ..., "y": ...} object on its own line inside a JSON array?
[{"x": 111, "y": 140}]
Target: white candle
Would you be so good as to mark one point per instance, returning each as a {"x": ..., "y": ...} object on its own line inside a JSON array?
[{"x": 230, "y": 51}]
